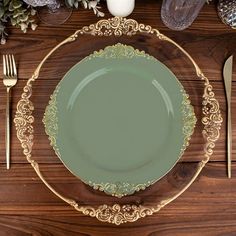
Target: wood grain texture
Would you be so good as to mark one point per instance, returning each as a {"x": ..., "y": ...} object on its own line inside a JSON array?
[
  {"x": 27, "y": 207},
  {"x": 206, "y": 208}
]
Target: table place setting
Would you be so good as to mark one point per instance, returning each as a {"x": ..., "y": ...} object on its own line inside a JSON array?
[
  {"x": 112, "y": 104},
  {"x": 123, "y": 124}
]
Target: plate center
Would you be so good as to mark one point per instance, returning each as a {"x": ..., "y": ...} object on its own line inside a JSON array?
[{"x": 119, "y": 119}]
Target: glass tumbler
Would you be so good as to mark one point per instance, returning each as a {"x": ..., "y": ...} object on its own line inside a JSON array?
[
  {"x": 180, "y": 14},
  {"x": 51, "y": 12}
]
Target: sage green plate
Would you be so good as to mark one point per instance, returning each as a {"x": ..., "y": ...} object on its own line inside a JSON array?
[{"x": 119, "y": 120}]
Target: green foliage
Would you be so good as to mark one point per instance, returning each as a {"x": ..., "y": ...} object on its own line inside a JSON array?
[{"x": 18, "y": 14}]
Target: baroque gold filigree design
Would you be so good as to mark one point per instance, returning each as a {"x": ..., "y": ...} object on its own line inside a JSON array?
[
  {"x": 115, "y": 26},
  {"x": 118, "y": 214},
  {"x": 25, "y": 121},
  {"x": 119, "y": 189},
  {"x": 212, "y": 119},
  {"x": 119, "y": 51},
  {"x": 50, "y": 120},
  {"x": 189, "y": 120}
]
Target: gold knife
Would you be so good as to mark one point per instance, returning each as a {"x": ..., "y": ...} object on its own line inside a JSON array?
[{"x": 227, "y": 74}]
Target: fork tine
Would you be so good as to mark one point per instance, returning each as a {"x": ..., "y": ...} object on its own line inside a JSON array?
[
  {"x": 4, "y": 65},
  {"x": 14, "y": 65},
  {"x": 7, "y": 66},
  {"x": 10, "y": 65}
]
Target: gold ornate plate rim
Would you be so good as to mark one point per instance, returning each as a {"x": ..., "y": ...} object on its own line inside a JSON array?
[{"x": 118, "y": 214}]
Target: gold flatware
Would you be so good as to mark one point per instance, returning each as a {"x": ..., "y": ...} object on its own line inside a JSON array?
[
  {"x": 227, "y": 74},
  {"x": 9, "y": 80}
]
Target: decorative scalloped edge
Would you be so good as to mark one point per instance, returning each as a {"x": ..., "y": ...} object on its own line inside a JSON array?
[
  {"x": 189, "y": 120},
  {"x": 50, "y": 120},
  {"x": 119, "y": 189},
  {"x": 118, "y": 214},
  {"x": 119, "y": 51}
]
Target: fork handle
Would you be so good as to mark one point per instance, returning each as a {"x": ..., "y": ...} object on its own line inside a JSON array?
[
  {"x": 8, "y": 128},
  {"x": 229, "y": 140}
]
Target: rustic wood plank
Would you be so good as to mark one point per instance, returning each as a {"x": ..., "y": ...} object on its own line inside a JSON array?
[
  {"x": 211, "y": 188},
  {"x": 206, "y": 207},
  {"x": 166, "y": 225}
]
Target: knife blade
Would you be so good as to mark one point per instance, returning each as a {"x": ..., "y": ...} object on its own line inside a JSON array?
[{"x": 227, "y": 74}]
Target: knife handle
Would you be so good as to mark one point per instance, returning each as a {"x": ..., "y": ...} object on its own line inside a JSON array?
[{"x": 229, "y": 140}]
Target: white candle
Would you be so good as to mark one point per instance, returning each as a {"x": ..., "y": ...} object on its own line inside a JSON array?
[{"x": 120, "y": 7}]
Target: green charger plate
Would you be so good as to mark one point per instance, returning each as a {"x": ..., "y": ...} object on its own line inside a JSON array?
[{"x": 119, "y": 120}]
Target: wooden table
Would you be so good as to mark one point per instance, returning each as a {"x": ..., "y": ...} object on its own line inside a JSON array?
[{"x": 208, "y": 207}]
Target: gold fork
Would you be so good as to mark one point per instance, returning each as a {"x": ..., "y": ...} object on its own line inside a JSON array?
[{"x": 9, "y": 80}]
